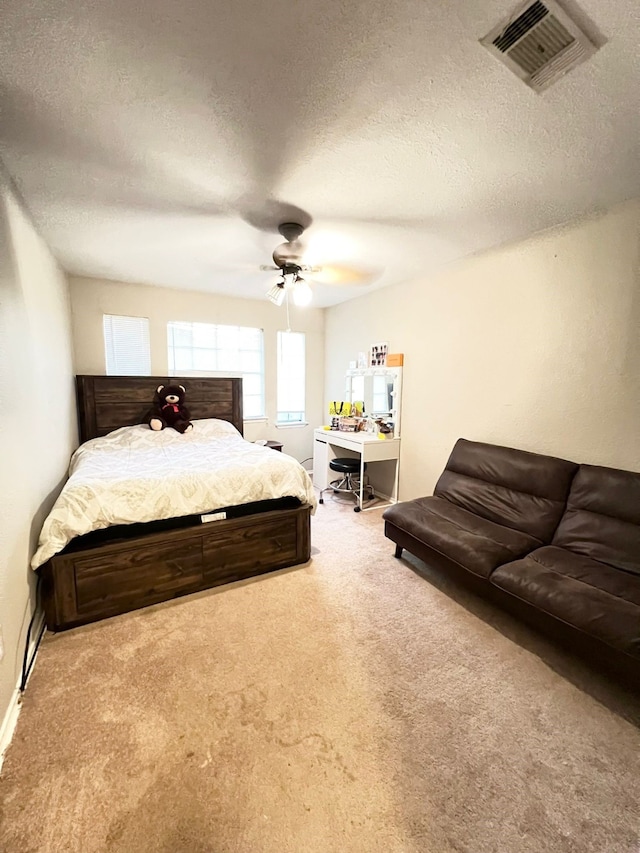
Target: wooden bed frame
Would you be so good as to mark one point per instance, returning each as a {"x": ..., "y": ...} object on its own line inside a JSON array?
[{"x": 82, "y": 586}]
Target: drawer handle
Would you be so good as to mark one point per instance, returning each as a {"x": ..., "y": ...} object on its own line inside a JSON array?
[{"x": 173, "y": 564}]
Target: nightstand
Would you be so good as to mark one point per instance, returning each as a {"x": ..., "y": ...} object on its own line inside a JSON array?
[{"x": 274, "y": 445}]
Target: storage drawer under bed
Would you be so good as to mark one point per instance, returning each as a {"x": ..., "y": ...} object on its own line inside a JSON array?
[
  {"x": 249, "y": 549},
  {"x": 92, "y": 584},
  {"x": 112, "y": 581}
]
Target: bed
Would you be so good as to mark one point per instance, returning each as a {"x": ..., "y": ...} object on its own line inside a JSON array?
[{"x": 111, "y": 567}]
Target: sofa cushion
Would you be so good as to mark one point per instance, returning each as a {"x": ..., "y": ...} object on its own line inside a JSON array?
[
  {"x": 515, "y": 488},
  {"x": 602, "y": 519},
  {"x": 593, "y": 597},
  {"x": 474, "y": 542}
]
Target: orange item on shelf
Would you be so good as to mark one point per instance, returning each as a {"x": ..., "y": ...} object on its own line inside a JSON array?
[{"x": 395, "y": 359}]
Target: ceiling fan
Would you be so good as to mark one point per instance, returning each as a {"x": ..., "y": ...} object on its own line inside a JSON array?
[{"x": 288, "y": 260}]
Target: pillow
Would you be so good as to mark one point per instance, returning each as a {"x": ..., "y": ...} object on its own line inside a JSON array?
[{"x": 213, "y": 428}]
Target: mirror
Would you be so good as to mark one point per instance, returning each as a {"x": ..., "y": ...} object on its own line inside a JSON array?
[{"x": 380, "y": 389}]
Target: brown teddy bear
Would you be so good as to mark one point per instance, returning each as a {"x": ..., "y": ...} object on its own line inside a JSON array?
[{"x": 169, "y": 409}]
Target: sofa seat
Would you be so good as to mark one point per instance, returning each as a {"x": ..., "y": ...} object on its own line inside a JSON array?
[
  {"x": 591, "y": 596},
  {"x": 477, "y": 544}
]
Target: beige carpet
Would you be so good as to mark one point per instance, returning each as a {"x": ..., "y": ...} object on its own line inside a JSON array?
[{"x": 349, "y": 705}]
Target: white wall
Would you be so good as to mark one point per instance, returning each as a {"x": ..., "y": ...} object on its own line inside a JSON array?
[
  {"x": 534, "y": 345},
  {"x": 91, "y": 298},
  {"x": 38, "y": 423}
]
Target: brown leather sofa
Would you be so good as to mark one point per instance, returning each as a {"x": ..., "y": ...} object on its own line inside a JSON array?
[{"x": 556, "y": 541}]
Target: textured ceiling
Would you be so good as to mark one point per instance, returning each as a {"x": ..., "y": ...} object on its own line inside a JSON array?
[{"x": 161, "y": 141}]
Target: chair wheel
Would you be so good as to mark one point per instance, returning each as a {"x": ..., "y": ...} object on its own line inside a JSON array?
[
  {"x": 335, "y": 491},
  {"x": 356, "y": 509},
  {"x": 321, "y": 501}
]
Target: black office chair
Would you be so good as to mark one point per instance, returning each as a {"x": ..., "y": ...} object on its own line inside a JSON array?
[{"x": 349, "y": 482}]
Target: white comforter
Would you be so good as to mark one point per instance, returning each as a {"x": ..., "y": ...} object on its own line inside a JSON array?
[{"x": 135, "y": 475}]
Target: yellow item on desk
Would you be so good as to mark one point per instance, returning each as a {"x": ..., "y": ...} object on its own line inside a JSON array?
[{"x": 340, "y": 407}]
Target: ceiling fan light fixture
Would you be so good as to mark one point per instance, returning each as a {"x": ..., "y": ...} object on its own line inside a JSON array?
[
  {"x": 290, "y": 260},
  {"x": 276, "y": 293},
  {"x": 302, "y": 293}
]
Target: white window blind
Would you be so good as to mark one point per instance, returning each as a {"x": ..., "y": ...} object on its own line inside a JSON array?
[
  {"x": 126, "y": 345},
  {"x": 291, "y": 377},
  {"x": 210, "y": 348}
]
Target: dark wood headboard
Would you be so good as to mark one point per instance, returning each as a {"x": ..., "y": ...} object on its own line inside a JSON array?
[{"x": 108, "y": 402}]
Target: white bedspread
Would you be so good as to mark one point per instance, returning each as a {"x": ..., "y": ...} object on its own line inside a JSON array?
[{"x": 136, "y": 475}]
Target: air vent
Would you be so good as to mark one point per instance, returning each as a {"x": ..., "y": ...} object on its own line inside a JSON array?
[{"x": 539, "y": 42}]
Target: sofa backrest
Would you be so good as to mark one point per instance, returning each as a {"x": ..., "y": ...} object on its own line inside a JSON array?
[
  {"x": 602, "y": 519},
  {"x": 521, "y": 490}
]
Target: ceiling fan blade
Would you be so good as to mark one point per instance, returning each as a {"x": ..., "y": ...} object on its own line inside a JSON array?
[
  {"x": 303, "y": 268},
  {"x": 343, "y": 274}
]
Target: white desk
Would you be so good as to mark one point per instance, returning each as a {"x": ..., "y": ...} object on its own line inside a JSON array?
[{"x": 328, "y": 443}]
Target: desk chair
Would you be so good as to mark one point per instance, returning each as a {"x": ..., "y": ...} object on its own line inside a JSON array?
[{"x": 349, "y": 482}]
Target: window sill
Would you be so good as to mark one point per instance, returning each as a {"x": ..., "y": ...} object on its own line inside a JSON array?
[
  {"x": 296, "y": 425},
  {"x": 261, "y": 420}
]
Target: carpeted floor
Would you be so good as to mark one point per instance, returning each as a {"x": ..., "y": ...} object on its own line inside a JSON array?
[{"x": 347, "y": 706}]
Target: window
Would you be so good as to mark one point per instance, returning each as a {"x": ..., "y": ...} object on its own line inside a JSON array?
[
  {"x": 291, "y": 378},
  {"x": 206, "y": 348},
  {"x": 126, "y": 345}
]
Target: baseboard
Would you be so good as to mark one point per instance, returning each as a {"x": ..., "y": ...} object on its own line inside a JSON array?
[
  {"x": 384, "y": 497},
  {"x": 10, "y": 721},
  {"x": 381, "y": 502}
]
